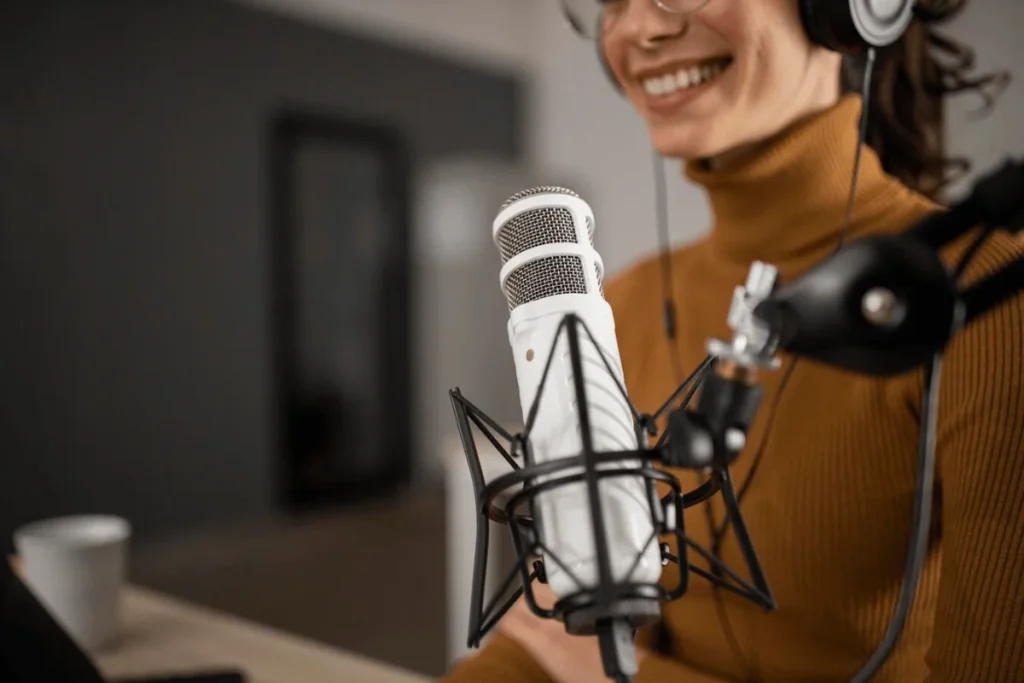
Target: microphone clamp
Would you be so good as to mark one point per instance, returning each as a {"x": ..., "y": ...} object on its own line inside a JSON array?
[{"x": 753, "y": 343}]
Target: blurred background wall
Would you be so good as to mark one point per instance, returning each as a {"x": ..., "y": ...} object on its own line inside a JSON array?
[
  {"x": 580, "y": 126},
  {"x": 139, "y": 350},
  {"x": 137, "y": 246}
]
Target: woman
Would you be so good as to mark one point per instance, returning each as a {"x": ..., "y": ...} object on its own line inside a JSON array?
[{"x": 771, "y": 137}]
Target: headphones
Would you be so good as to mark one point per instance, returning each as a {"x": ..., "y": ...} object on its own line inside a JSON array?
[{"x": 845, "y": 26}]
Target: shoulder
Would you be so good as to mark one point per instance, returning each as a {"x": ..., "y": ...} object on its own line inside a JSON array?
[
  {"x": 983, "y": 365},
  {"x": 990, "y": 349},
  {"x": 999, "y": 333}
]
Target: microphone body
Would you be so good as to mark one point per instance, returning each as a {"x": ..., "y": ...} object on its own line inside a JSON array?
[{"x": 551, "y": 270}]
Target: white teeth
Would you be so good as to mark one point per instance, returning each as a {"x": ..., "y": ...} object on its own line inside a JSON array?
[{"x": 684, "y": 78}]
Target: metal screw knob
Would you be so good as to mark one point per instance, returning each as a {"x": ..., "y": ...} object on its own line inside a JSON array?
[
  {"x": 883, "y": 308},
  {"x": 735, "y": 439}
]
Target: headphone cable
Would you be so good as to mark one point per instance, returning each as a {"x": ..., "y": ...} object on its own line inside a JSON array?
[
  {"x": 862, "y": 135},
  {"x": 918, "y": 544},
  {"x": 669, "y": 322},
  {"x": 718, "y": 531},
  {"x": 664, "y": 247}
]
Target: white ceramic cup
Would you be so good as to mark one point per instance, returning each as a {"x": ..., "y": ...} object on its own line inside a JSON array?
[{"x": 75, "y": 566}]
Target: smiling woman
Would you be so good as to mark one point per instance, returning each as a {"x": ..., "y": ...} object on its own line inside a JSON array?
[
  {"x": 766, "y": 72},
  {"x": 760, "y": 100}
]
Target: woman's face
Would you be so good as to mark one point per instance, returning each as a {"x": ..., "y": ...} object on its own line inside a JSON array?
[{"x": 719, "y": 79}]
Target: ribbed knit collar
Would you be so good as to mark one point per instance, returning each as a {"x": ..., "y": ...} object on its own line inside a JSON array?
[{"x": 785, "y": 204}]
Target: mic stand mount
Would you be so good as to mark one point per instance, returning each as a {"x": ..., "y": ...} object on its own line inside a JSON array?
[
  {"x": 886, "y": 304},
  {"x": 707, "y": 439}
]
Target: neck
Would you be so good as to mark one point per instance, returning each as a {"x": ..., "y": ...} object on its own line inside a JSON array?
[
  {"x": 736, "y": 156},
  {"x": 822, "y": 95},
  {"x": 784, "y": 200},
  {"x": 731, "y": 158}
]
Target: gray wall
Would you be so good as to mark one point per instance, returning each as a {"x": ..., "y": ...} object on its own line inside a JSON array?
[{"x": 135, "y": 370}]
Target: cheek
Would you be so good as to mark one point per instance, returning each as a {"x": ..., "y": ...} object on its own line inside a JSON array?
[
  {"x": 766, "y": 39},
  {"x": 761, "y": 75},
  {"x": 751, "y": 98}
]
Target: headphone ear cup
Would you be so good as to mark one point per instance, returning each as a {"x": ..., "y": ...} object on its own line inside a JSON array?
[
  {"x": 852, "y": 26},
  {"x": 609, "y": 74}
]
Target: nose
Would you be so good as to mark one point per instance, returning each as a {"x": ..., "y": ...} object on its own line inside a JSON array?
[{"x": 647, "y": 25}]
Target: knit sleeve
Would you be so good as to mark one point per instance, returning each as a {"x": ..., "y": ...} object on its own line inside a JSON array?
[
  {"x": 979, "y": 622},
  {"x": 658, "y": 669},
  {"x": 501, "y": 660}
]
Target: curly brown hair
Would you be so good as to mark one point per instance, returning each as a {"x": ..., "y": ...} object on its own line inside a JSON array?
[{"x": 906, "y": 124}]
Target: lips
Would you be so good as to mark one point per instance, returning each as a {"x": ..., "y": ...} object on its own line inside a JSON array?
[
  {"x": 684, "y": 77},
  {"x": 666, "y": 92}
]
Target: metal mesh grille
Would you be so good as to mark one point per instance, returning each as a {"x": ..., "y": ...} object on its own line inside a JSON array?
[
  {"x": 546, "y": 225},
  {"x": 544, "y": 189},
  {"x": 549, "y": 276},
  {"x": 549, "y": 225}
]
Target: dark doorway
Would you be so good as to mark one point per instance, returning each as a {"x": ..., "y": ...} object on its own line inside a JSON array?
[{"x": 341, "y": 285}]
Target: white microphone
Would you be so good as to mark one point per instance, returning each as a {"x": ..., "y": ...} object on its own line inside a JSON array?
[{"x": 550, "y": 269}]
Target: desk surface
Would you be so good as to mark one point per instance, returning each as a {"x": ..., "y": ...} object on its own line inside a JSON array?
[{"x": 163, "y": 635}]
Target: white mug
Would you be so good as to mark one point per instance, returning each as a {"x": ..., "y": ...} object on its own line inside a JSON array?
[{"x": 75, "y": 566}]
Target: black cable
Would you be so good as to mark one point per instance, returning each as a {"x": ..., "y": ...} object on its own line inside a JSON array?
[
  {"x": 668, "y": 301},
  {"x": 918, "y": 546},
  {"x": 669, "y": 321},
  {"x": 668, "y": 292},
  {"x": 718, "y": 531},
  {"x": 862, "y": 135},
  {"x": 665, "y": 251},
  {"x": 923, "y": 496},
  {"x": 971, "y": 252}
]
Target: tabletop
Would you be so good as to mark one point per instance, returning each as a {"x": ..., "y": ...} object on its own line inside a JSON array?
[{"x": 162, "y": 635}]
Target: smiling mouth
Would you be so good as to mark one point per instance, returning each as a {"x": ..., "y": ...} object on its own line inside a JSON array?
[{"x": 686, "y": 78}]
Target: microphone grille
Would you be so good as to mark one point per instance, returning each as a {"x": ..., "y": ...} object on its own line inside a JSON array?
[
  {"x": 540, "y": 226},
  {"x": 543, "y": 189},
  {"x": 548, "y": 276},
  {"x": 551, "y": 221}
]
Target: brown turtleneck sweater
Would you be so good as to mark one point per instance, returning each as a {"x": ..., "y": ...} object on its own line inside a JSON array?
[{"x": 830, "y": 507}]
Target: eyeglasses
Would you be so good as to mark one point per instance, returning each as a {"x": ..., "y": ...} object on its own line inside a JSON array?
[{"x": 591, "y": 18}]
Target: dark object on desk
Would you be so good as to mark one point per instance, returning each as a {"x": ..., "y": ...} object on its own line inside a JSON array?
[
  {"x": 33, "y": 646},
  {"x": 222, "y": 677},
  {"x": 35, "y": 649}
]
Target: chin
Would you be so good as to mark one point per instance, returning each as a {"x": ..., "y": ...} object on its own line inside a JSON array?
[{"x": 688, "y": 141}]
